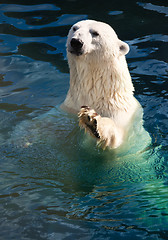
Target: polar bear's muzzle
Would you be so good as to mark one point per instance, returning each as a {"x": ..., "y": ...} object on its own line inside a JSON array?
[{"x": 76, "y": 46}]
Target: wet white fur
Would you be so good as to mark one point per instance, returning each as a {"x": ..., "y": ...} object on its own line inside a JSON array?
[{"x": 99, "y": 78}]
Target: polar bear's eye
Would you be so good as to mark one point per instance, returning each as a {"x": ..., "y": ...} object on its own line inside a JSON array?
[
  {"x": 94, "y": 33},
  {"x": 75, "y": 28}
]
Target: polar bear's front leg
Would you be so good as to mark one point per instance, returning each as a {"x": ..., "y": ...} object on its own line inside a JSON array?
[{"x": 101, "y": 128}]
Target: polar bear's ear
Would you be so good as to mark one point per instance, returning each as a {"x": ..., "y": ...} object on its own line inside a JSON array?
[{"x": 123, "y": 47}]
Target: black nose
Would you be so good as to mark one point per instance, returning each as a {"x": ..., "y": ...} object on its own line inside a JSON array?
[{"x": 76, "y": 44}]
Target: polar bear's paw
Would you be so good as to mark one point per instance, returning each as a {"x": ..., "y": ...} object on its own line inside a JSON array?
[
  {"x": 101, "y": 128},
  {"x": 88, "y": 121}
]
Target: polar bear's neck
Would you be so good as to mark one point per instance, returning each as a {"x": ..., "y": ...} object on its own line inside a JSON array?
[{"x": 106, "y": 86}]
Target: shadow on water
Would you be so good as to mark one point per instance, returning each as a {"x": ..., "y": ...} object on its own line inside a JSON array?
[{"x": 55, "y": 182}]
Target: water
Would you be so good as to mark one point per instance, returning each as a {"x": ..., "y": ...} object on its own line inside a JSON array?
[{"x": 52, "y": 185}]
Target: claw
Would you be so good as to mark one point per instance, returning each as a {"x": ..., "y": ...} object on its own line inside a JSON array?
[
  {"x": 88, "y": 122},
  {"x": 86, "y": 107}
]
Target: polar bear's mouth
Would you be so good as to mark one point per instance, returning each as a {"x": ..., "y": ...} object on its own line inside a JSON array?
[{"x": 77, "y": 53}]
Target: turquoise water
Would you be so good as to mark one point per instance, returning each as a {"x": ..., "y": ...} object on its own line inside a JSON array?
[{"x": 53, "y": 185}]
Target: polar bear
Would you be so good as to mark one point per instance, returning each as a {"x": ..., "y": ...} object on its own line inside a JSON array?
[{"x": 100, "y": 81}]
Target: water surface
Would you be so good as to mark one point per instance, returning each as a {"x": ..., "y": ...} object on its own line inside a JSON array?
[{"x": 52, "y": 186}]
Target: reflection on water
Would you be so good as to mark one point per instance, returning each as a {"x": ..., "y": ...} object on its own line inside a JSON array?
[{"x": 56, "y": 184}]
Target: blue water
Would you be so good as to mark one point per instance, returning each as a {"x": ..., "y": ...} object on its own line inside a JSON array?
[{"x": 53, "y": 186}]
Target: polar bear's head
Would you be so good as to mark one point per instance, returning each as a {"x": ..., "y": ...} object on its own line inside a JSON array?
[{"x": 89, "y": 36}]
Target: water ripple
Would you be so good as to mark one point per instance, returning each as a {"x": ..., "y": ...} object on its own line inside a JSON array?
[{"x": 55, "y": 188}]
